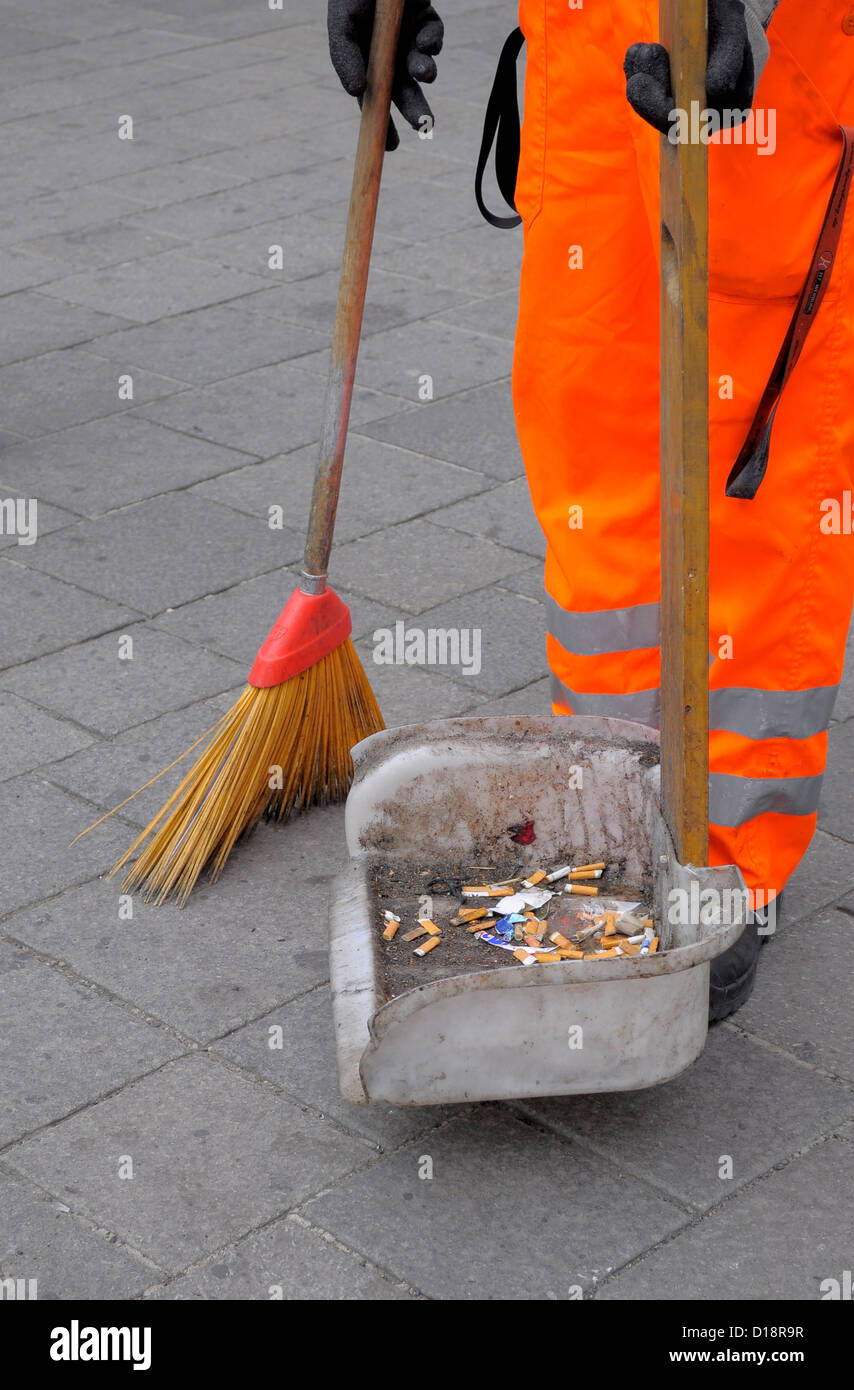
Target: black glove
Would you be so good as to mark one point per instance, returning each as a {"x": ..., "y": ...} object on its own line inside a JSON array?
[
  {"x": 350, "y": 23},
  {"x": 730, "y": 72}
]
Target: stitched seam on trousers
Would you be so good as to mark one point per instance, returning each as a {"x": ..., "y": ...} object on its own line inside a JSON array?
[{"x": 545, "y": 116}]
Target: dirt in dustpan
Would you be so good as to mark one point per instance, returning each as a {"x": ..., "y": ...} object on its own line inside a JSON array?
[{"x": 434, "y": 894}]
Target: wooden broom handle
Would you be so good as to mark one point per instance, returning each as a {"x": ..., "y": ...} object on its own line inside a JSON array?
[
  {"x": 351, "y": 291},
  {"x": 685, "y": 449}
]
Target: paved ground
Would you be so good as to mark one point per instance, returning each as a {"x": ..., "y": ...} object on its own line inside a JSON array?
[{"x": 143, "y": 1047}]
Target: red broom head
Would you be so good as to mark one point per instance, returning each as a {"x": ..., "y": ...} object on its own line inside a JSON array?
[{"x": 309, "y": 627}]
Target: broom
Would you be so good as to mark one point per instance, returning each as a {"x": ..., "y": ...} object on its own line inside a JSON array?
[{"x": 286, "y": 743}]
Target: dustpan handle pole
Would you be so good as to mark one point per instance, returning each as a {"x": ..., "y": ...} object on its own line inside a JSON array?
[
  {"x": 685, "y": 446},
  {"x": 355, "y": 266}
]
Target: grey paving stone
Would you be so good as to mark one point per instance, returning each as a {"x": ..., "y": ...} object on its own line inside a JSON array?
[
  {"x": 19, "y": 39},
  {"x": 475, "y": 429},
  {"x": 500, "y": 643},
  {"x": 441, "y": 1235},
  {"x": 96, "y": 153},
  {"x": 503, "y": 514},
  {"x": 286, "y": 1261},
  {"x": 779, "y": 1240},
  {"x": 237, "y": 621},
  {"x": 93, "y": 247},
  {"x": 167, "y": 283},
  {"x": 397, "y": 360},
  {"x": 21, "y": 270},
  {"x": 71, "y": 86},
  {"x": 40, "y": 821},
  {"x": 89, "y": 1047},
  {"x": 210, "y": 344},
  {"x": 174, "y": 182},
  {"x": 825, "y": 873},
  {"x": 65, "y": 388},
  {"x": 803, "y": 1001},
  {"x": 110, "y": 770},
  {"x": 225, "y": 958},
  {"x": 91, "y": 684},
  {"x": 264, "y": 158},
  {"x": 738, "y": 1101},
  {"x": 836, "y": 809},
  {"x": 70, "y": 209},
  {"x": 411, "y": 209},
  {"x": 29, "y": 736},
  {"x": 39, "y": 615},
  {"x": 475, "y": 259},
  {"x": 417, "y": 565},
  {"x": 48, "y": 518},
  {"x": 845, "y": 700},
  {"x": 193, "y": 1129},
  {"x": 529, "y": 582},
  {"x": 381, "y": 485},
  {"x": 109, "y": 463},
  {"x": 392, "y": 300},
  {"x": 164, "y": 551},
  {"x": 264, "y": 411},
  {"x": 531, "y": 699},
  {"x": 495, "y": 315},
  {"x": 41, "y": 1240},
  {"x": 311, "y": 244},
  {"x": 305, "y": 1068},
  {"x": 410, "y": 694},
  {"x": 34, "y": 323},
  {"x": 215, "y": 215}
]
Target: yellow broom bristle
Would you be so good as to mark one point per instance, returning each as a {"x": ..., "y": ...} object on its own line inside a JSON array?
[{"x": 298, "y": 734}]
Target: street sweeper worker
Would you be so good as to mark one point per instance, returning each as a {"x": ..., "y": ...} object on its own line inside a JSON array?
[{"x": 586, "y": 376}]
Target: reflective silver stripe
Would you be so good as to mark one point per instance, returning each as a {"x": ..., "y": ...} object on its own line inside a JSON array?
[
  {"x": 771, "y": 713},
  {"x": 643, "y": 706},
  {"x": 611, "y": 630},
  {"x": 734, "y": 800}
]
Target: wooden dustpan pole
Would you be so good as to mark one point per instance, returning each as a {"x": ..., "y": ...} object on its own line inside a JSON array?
[
  {"x": 685, "y": 448},
  {"x": 355, "y": 266}
]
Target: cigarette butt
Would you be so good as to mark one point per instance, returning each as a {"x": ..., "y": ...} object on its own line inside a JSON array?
[
  {"x": 471, "y": 914},
  {"x": 600, "y": 955},
  {"x": 478, "y": 926},
  {"x": 586, "y": 934},
  {"x": 525, "y": 956},
  {"x": 388, "y": 934},
  {"x": 481, "y": 891},
  {"x": 534, "y": 879},
  {"x": 629, "y": 948},
  {"x": 558, "y": 939},
  {"x": 429, "y": 925},
  {"x": 548, "y": 957},
  {"x": 584, "y": 890},
  {"x": 647, "y": 921},
  {"x": 597, "y": 864},
  {"x": 653, "y": 945},
  {"x": 518, "y": 933},
  {"x": 584, "y": 873},
  {"x": 428, "y": 946},
  {"x": 569, "y": 953},
  {"x": 531, "y": 940},
  {"x": 414, "y": 934},
  {"x": 610, "y": 943}
]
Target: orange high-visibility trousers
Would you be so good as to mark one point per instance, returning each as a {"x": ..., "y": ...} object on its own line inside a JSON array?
[{"x": 586, "y": 383}]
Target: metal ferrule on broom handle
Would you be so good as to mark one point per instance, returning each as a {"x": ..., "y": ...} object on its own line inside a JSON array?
[{"x": 351, "y": 293}]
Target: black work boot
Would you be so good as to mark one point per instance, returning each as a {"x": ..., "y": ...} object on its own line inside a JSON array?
[{"x": 733, "y": 974}]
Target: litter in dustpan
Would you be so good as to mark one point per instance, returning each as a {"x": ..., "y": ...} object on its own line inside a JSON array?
[{"x": 614, "y": 927}]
